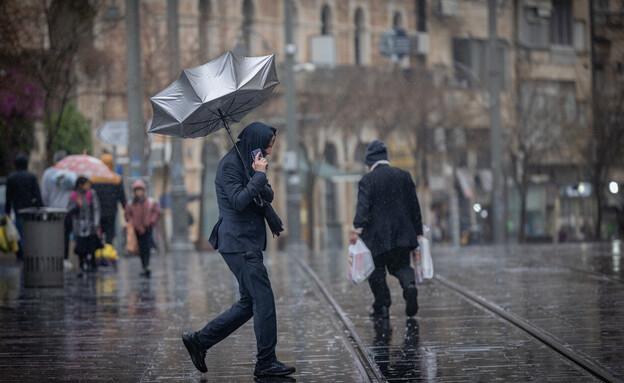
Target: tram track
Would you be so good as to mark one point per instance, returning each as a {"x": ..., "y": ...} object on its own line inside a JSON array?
[
  {"x": 357, "y": 348},
  {"x": 535, "y": 332},
  {"x": 369, "y": 368}
]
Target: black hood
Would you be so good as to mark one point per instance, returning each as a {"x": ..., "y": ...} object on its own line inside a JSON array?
[
  {"x": 255, "y": 136},
  {"x": 376, "y": 151},
  {"x": 21, "y": 162}
]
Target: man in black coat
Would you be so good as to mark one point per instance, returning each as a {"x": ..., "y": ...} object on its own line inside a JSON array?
[
  {"x": 22, "y": 191},
  {"x": 389, "y": 222},
  {"x": 240, "y": 237}
]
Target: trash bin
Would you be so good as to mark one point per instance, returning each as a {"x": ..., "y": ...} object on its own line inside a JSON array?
[{"x": 44, "y": 246}]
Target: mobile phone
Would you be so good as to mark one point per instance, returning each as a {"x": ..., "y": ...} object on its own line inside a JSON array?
[{"x": 254, "y": 153}]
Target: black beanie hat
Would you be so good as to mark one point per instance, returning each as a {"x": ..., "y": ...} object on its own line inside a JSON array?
[{"x": 376, "y": 151}]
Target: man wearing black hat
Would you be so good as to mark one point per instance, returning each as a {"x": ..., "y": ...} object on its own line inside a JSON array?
[{"x": 389, "y": 222}]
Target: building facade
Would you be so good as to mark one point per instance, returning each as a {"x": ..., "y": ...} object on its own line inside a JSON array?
[{"x": 435, "y": 119}]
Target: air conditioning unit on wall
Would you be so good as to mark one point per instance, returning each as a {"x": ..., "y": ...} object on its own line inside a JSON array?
[
  {"x": 420, "y": 43},
  {"x": 448, "y": 8},
  {"x": 323, "y": 50}
]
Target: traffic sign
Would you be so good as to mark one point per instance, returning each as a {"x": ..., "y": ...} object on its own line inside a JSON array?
[{"x": 114, "y": 132}]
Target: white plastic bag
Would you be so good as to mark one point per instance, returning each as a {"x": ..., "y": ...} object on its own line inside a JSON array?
[
  {"x": 421, "y": 260},
  {"x": 11, "y": 231},
  {"x": 360, "y": 263},
  {"x": 425, "y": 257}
]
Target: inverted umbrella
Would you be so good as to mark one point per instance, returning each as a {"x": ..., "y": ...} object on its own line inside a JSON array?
[
  {"x": 209, "y": 97},
  {"x": 83, "y": 164}
]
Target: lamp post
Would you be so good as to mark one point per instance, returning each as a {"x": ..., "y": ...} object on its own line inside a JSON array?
[
  {"x": 291, "y": 161},
  {"x": 498, "y": 209},
  {"x": 179, "y": 240},
  {"x": 136, "y": 126}
]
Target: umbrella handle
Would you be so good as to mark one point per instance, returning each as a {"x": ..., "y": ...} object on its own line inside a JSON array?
[{"x": 227, "y": 127}]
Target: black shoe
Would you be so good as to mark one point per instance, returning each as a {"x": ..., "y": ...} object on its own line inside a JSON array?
[
  {"x": 382, "y": 312},
  {"x": 411, "y": 300},
  {"x": 275, "y": 368},
  {"x": 195, "y": 350},
  {"x": 146, "y": 273}
]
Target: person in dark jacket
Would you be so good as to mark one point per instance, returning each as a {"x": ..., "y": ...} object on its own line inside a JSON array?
[
  {"x": 240, "y": 237},
  {"x": 111, "y": 193},
  {"x": 22, "y": 191},
  {"x": 389, "y": 222},
  {"x": 84, "y": 210}
]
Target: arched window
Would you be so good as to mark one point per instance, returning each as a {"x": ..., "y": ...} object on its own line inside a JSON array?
[
  {"x": 204, "y": 19},
  {"x": 397, "y": 21},
  {"x": 247, "y": 26},
  {"x": 421, "y": 16},
  {"x": 359, "y": 36},
  {"x": 326, "y": 20}
]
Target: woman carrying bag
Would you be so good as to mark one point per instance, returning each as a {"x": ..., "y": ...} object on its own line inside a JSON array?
[{"x": 143, "y": 215}]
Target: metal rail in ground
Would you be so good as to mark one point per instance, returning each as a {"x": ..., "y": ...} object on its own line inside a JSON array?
[
  {"x": 542, "y": 336},
  {"x": 356, "y": 347}
]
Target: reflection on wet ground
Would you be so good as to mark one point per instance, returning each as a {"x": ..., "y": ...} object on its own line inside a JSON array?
[
  {"x": 118, "y": 326},
  {"x": 561, "y": 291}
]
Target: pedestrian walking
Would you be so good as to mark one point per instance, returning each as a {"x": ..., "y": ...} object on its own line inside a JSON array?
[
  {"x": 56, "y": 191},
  {"x": 22, "y": 191},
  {"x": 389, "y": 222},
  {"x": 84, "y": 209},
  {"x": 111, "y": 194},
  {"x": 143, "y": 215},
  {"x": 240, "y": 237}
]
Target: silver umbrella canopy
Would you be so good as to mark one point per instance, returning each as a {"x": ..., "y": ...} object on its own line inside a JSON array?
[{"x": 209, "y": 97}]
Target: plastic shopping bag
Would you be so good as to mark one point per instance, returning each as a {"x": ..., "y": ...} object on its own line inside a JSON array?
[
  {"x": 9, "y": 236},
  {"x": 360, "y": 265},
  {"x": 132, "y": 244},
  {"x": 422, "y": 262},
  {"x": 108, "y": 252}
]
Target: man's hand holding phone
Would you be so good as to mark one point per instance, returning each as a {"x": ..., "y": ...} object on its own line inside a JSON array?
[{"x": 260, "y": 164}]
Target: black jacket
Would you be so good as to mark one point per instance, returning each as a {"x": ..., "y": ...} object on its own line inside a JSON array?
[
  {"x": 388, "y": 210},
  {"x": 241, "y": 226},
  {"x": 22, "y": 191},
  {"x": 110, "y": 194}
]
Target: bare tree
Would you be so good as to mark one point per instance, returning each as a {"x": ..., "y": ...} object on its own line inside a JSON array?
[
  {"x": 605, "y": 146},
  {"x": 546, "y": 112}
]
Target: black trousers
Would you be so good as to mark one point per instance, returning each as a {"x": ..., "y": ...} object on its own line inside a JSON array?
[
  {"x": 144, "y": 246},
  {"x": 108, "y": 227},
  {"x": 256, "y": 300},
  {"x": 67, "y": 230},
  {"x": 397, "y": 261}
]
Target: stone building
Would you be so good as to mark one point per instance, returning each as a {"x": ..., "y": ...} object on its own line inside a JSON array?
[{"x": 428, "y": 99}]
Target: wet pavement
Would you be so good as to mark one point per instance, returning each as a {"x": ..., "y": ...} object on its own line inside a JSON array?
[
  {"x": 573, "y": 293},
  {"x": 117, "y": 326}
]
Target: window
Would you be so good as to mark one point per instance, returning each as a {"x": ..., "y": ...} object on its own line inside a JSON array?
[
  {"x": 397, "y": 21},
  {"x": 247, "y": 26},
  {"x": 470, "y": 62},
  {"x": 359, "y": 34},
  {"x": 326, "y": 21},
  {"x": 561, "y": 22},
  {"x": 535, "y": 25},
  {"x": 421, "y": 15}
]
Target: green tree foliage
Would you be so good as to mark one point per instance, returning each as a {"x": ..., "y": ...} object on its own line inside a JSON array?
[{"x": 74, "y": 133}]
